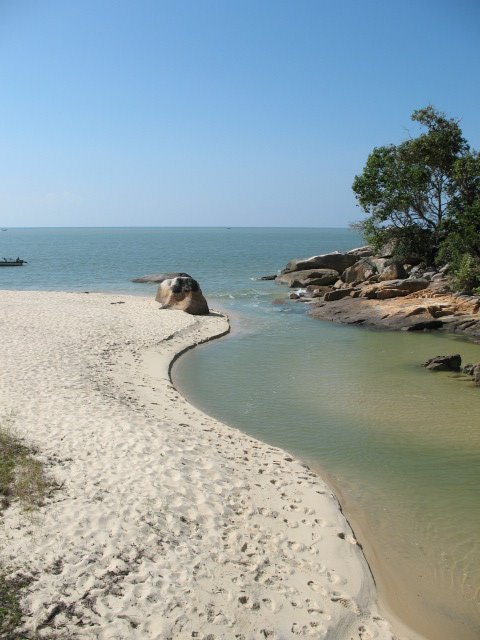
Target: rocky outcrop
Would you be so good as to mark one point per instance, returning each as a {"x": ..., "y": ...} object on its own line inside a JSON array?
[
  {"x": 319, "y": 277},
  {"x": 393, "y": 288},
  {"x": 336, "y": 261},
  {"x": 444, "y": 363},
  {"x": 378, "y": 291},
  {"x": 160, "y": 277},
  {"x": 182, "y": 293},
  {"x": 424, "y": 310}
]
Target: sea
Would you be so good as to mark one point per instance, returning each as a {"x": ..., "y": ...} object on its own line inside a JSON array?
[{"x": 400, "y": 445}]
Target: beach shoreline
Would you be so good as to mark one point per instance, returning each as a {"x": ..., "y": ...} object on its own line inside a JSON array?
[{"x": 169, "y": 523}]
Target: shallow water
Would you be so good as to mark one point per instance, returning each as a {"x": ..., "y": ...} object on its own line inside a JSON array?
[{"x": 400, "y": 445}]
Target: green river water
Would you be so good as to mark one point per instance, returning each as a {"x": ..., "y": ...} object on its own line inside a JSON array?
[{"x": 399, "y": 444}]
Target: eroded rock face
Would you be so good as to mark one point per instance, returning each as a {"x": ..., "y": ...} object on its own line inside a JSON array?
[
  {"x": 337, "y": 294},
  {"x": 336, "y": 261},
  {"x": 393, "y": 288},
  {"x": 182, "y": 293},
  {"x": 319, "y": 277}
]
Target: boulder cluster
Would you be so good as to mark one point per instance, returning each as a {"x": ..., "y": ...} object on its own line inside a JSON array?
[
  {"x": 361, "y": 287},
  {"x": 357, "y": 273}
]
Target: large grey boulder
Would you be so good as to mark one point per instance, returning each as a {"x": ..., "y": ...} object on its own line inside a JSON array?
[
  {"x": 337, "y": 261},
  {"x": 160, "y": 277},
  {"x": 319, "y": 277},
  {"x": 184, "y": 294},
  {"x": 362, "y": 252},
  {"x": 359, "y": 271},
  {"x": 392, "y": 271}
]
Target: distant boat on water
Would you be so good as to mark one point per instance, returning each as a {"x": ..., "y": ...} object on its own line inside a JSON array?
[
  {"x": 12, "y": 263},
  {"x": 4, "y": 229}
]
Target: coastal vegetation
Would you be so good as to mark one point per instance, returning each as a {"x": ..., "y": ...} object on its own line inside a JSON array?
[
  {"x": 22, "y": 479},
  {"x": 422, "y": 197}
]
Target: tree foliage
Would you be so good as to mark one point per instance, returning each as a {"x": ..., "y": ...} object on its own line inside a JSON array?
[{"x": 424, "y": 193}]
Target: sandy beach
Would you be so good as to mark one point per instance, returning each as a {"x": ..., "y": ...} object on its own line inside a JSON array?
[{"x": 167, "y": 523}]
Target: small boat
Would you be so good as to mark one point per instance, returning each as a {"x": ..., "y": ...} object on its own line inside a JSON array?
[{"x": 12, "y": 263}]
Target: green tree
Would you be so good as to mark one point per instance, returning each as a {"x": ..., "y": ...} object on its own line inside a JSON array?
[
  {"x": 461, "y": 244},
  {"x": 407, "y": 190}
]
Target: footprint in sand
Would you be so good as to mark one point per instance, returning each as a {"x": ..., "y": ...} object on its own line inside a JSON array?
[{"x": 344, "y": 601}]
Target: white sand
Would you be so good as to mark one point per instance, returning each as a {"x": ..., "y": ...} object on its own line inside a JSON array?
[{"x": 168, "y": 524}]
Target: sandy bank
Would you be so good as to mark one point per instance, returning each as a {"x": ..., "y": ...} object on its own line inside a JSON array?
[{"x": 168, "y": 524}]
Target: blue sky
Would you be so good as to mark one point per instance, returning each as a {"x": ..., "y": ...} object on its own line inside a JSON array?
[{"x": 204, "y": 112}]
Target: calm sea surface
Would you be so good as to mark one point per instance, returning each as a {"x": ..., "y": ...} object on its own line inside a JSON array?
[{"x": 400, "y": 445}]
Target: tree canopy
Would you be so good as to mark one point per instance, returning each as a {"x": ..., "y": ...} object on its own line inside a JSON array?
[{"x": 424, "y": 193}]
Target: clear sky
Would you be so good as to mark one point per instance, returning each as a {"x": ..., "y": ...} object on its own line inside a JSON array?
[{"x": 217, "y": 112}]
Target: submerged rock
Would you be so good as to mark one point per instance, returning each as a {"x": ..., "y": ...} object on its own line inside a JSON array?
[
  {"x": 336, "y": 261},
  {"x": 182, "y": 293},
  {"x": 160, "y": 277},
  {"x": 319, "y": 277}
]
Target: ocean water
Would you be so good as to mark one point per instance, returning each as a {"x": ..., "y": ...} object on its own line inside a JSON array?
[{"x": 400, "y": 445}]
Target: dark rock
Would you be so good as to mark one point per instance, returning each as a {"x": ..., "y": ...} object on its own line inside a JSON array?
[
  {"x": 338, "y": 294},
  {"x": 268, "y": 277},
  {"x": 160, "y": 277},
  {"x": 320, "y": 277},
  {"x": 428, "y": 325},
  {"x": 182, "y": 293},
  {"x": 468, "y": 369},
  {"x": 444, "y": 363},
  {"x": 336, "y": 261},
  {"x": 476, "y": 374}
]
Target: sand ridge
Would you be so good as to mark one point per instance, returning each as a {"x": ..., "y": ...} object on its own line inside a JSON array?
[{"x": 167, "y": 523}]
